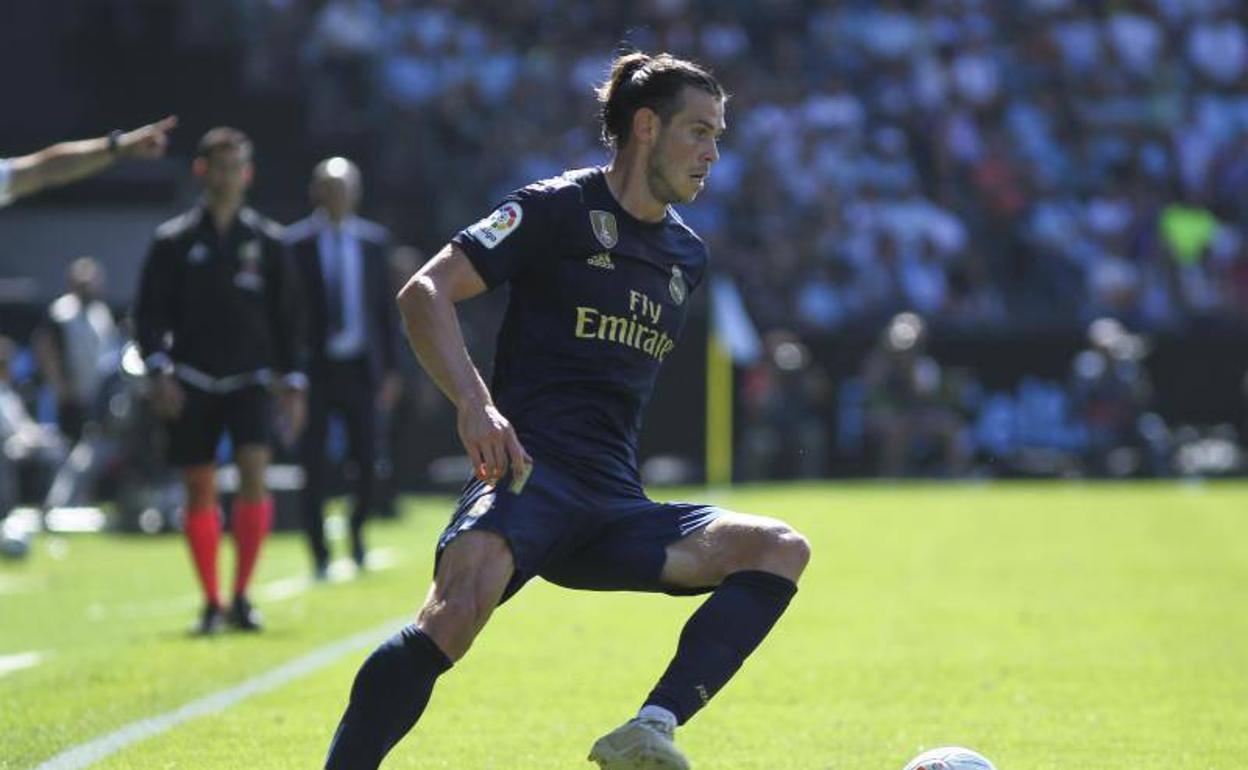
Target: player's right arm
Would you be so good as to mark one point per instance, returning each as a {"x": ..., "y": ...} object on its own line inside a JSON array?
[
  {"x": 427, "y": 305},
  {"x": 70, "y": 161}
]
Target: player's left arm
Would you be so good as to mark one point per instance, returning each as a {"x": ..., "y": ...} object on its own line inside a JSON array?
[
  {"x": 427, "y": 304},
  {"x": 70, "y": 161}
]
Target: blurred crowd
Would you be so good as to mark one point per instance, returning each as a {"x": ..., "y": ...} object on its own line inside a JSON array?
[
  {"x": 962, "y": 165},
  {"x": 1037, "y": 162}
]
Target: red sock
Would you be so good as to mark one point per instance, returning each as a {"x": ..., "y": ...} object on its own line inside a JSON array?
[
  {"x": 203, "y": 533},
  {"x": 251, "y": 523}
]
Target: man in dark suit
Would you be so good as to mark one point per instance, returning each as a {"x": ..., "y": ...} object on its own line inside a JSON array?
[{"x": 341, "y": 260}]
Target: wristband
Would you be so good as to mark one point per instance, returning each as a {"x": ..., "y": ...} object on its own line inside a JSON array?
[{"x": 114, "y": 143}]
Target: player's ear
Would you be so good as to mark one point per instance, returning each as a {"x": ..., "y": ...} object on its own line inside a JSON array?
[
  {"x": 646, "y": 125},
  {"x": 249, "y": 173}
]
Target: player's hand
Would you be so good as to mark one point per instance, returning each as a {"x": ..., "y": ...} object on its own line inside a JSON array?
[
  {"x": 167, "y": 396},
  {"x": 147, "y": 142},
  {"x": 491, "y": 442},
  {"x": 292, "y": 409}
]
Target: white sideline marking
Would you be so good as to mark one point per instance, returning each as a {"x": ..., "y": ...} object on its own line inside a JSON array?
[
  {"x": 86, "y": 754},
  {"x": 19, "y": 661}
]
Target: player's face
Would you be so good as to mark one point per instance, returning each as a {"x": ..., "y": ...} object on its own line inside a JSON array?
[
  {"x": 687, "y": 147},
  {"x": 226, "y": 173}
]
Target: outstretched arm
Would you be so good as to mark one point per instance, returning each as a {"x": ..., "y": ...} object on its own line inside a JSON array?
[
  {"x": 70, "y": 161},
  {"x": 427, "y": 304}
]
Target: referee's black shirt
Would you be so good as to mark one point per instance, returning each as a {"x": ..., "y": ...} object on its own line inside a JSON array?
[{"x": 220, "y": 306}]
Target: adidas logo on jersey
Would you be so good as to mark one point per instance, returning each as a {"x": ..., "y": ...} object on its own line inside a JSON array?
[{"x": 601, "y": 259}]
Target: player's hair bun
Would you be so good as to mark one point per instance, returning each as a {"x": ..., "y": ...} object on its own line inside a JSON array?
[
  {"x": 640, "y": 80},
  {"x": 623, "y": 70}
]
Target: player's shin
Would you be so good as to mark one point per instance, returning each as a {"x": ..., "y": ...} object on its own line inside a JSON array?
[
  {"x": 717, "y": 639},
  {"x": 390, "y": 692}
]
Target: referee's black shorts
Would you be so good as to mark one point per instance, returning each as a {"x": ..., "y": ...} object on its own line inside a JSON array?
[{"x": 247, "y": 413}]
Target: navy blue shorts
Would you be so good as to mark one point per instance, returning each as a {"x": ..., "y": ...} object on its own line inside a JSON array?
[{"x": 575, "y": 536}]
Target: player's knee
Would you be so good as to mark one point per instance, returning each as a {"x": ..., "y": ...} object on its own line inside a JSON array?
[
  {"x": 452, "y": 621},
  {"x": 793, "y": 549},
  {"x": 779, "y": 549},
  {"x": 460, "y": 612}
]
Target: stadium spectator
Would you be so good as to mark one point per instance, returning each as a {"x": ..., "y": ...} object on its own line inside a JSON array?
[
  {"x": 78, "y": 347},
  {"x": 784, "y": 399},
  {"x": 30, "y": 452},
  {"x": 343, "y": 266},
  {"x": 909, "y": 410},
  {"x": 219, "y": 327},
  {"x": 1111, "y": 395}
]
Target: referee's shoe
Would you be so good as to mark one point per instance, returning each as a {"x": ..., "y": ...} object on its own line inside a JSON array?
[{"x": 243, "y": 617}]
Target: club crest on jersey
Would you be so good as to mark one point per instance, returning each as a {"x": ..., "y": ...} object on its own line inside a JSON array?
[
  {"x": 677, "y": 286},
  {"x": 197, "y": 254},
  {"x": 605, "y": 229},
  {"x": 491, "y": 231}
]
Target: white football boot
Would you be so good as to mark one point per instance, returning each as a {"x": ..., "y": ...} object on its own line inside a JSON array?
[{"x": 639, "y": 744}]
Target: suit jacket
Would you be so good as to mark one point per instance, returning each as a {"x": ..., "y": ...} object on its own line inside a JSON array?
[{"x": 380, "y": 316}]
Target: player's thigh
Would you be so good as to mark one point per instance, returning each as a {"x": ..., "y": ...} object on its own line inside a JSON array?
[
  {"x": 475, "y": 567},
  {"x": 735, "y": 542},
  {"x": 630, "y": 552},
  {"x": 538, "y": 525},
  {"x": 474, "y": 571}
]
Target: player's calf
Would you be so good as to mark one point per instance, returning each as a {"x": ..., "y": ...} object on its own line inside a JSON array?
[{"x": 754, "y": 562}]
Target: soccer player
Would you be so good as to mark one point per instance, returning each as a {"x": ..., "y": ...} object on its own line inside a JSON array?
[
  {"x": 219, "y": 329},
  {"x": 600, "y": 270},
  {"x": 70, "y": 161}
]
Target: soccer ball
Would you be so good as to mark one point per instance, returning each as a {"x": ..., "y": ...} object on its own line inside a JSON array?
[{"x": 949, "y": 758}]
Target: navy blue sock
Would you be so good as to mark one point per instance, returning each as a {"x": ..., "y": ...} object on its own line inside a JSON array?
[
  {"x": 388, "y": 696},
  {"x": 718, "y": 638}
]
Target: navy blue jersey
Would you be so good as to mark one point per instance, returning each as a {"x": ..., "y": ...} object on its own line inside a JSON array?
[{"x": 598, "y": 301}]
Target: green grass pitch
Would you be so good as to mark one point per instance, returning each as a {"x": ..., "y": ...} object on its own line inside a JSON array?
[{"x": 1051, "y": 627}]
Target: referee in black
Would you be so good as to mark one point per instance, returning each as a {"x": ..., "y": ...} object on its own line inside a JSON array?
[{"x": 220, "y": 330}]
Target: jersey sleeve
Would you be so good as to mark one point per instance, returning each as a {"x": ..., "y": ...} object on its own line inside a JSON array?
[
  {"x": 155, "y": 308},
  {"x": 6, "y": 173},
  {"x": 520, "y": 235}
]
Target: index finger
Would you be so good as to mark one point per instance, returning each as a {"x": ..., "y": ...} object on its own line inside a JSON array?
[{"x": 167, "y": 123}]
